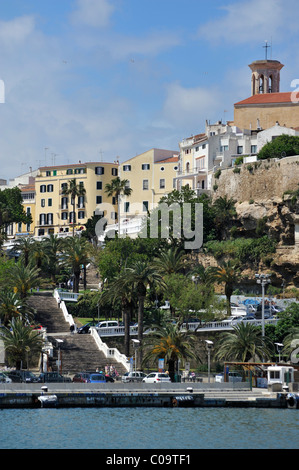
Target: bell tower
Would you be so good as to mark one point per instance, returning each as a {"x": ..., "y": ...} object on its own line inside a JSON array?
[{"x": 265, "y": 77}]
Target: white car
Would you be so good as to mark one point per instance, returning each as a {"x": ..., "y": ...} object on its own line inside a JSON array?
[
  {"x": 156, "y": 377},
  {"x": 133, "y": 377}
]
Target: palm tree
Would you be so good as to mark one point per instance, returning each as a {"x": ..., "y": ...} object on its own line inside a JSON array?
[
  {"x": 121, "y": 289},
  {"x": 141, "y": 275},
  {"x": 291, "y": 341},
  {"x": 21, "y": 342},
  {"x": 76, "y": 255},
  {"x": 52, "y": 247},
  {"x": 245, "y": 343},
  {"x": 224, "y": 213},
  {"x": 170, "y": 343},
  {"x": 116, "y": 188},
  {"x": 25, "y": 246},
  {"x": 228, "y": 274},
  {"x": 10, "y": 306},
  {"x": 74, "y": 191},
  {"x": 170, "y": 261},
  {"x": 23, "y": 278}
]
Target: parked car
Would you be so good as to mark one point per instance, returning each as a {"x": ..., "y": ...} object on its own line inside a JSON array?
[
  {"x": 156, "y": 377},
  {"x": 97, "y": 378},
  {"x": 4, "y": 378},
  {"x": 107, "y": 324},
  {"x": 109, "y": 378},
  {"x": 53, "y": 377},
  {"x": 232, "y": 377},
  {"x": 84, "y": 329},
  {"x": 22, "y": 376},
  {"x": 81, "y": 377},
  {"x": 133, "y": 377},
  {"x": 250, "y": 316}
]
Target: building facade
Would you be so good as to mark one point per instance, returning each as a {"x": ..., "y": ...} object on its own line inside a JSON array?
[{"x": 56, "y": 212}]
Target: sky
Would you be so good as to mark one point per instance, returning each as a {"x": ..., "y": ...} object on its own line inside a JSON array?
[{"x": 105, "y": 80}]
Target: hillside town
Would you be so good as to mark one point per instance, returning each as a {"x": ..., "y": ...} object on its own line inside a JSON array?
[{"x": 77, "y": 258}]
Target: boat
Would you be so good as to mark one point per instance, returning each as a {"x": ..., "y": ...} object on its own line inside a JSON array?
[{"x": 48, "y": 401}]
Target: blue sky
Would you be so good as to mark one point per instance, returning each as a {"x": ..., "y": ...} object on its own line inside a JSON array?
[{"x": 109, "y": 79}]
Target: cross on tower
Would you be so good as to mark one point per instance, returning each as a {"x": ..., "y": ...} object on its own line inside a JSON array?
[{"x": 266, "y": 47}]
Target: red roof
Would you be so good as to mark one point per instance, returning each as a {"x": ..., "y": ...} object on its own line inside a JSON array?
[{"x": 267, "y": 98}]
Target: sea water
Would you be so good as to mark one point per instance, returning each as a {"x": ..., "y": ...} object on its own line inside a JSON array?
[{"x": 149, "y": 428}]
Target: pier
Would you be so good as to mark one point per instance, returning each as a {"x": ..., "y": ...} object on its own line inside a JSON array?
[{"x": 139, "y": 395}]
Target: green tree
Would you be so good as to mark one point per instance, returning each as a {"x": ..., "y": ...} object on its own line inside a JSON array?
[
  {"x": 228, "y": 274},
  {"x": 141, "y": 275},
  {"x": 73, "y": 190},
  {"x": 225, "y": 214},
  {"x": 76, "y": 257},
  {"x": 282, "y": 146},
  {"x": 117, "y": 188},
  {"x": 171, "y": 343},
  {"x": 52, "y": 247},
  {"x": 21, "y": 342},
  {"x": 244, "y": 344},
  {"x": 171, "y": 260},
  {"x": 11, "y": 209},
  {"x": 25, "y": 246},
  {"x": 23, "y": 278}
]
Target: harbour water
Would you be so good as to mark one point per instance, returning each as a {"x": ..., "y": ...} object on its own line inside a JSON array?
[{"x": 149, "y": 428}]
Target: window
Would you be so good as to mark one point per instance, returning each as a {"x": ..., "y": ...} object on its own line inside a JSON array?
[
  {"x": 50, "y": 219},
  {"x": 42, "y": 219},
  {"x": 49, "y": 202},
  {"x": 114, "y": 171},
  {"x": 126, "y": 167},
  {"x": 253, "y": 149},
  {"x": 54, "y": 172},
  {"x": 28, "y": 212},
  {"x": 126, "y": 207},
  {"x": 64, "y": 202},
  {"x": 99, "y": 170},
  {"x": 145, "y": 206},
  {"x": 162, "y": 168},
  {"x": 99, "y": 185},
  {"x": 81, "y": 202},
  {"x": 41, "y": 232},
  {"x": 43, "y": 202},
  {"x": 81, "y": 215},
  {"x": 145, "y": 184},
  {"x": 48, "y": 173},
  {"x": 69, "y": 171},
  {"x": 42, "y": 188},
  {"x": 145, "y": 166},
  {"x": 223, "y": 148},
  {"x": 99, "y": 199},
  {"x": 80, "y": 171},
  {"x": 162, "y": 183},
  {"x": 63, "y": 186},
  {"x": 72, "y": 218},
  {"x": 113, "y": 200},
  {"x": 64, "y": 216},
  {"x": 240, "y": 149},
  {"x": 113, "y": 215},
  {"x": 50, "y": 188}
]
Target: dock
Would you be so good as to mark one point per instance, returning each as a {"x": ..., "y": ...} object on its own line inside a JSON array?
[{"x": 69, "y": 395}]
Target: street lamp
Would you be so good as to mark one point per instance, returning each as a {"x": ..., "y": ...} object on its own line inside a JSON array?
[
  {"x": 263, "y": 279},
  {"x": 136, "y": 344},
  {"x": 209, "y": 345},
  {"x": 279, "y": 347}
]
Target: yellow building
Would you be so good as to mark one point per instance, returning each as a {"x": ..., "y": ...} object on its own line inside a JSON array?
[
  {"x": 28, "y": 197},
  {"x": 55, "y": 212},
  {"x": 150, "y": 175}
]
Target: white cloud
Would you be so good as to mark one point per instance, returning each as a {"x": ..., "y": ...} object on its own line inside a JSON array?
[
  {"x": 187, "y": 107},
  {"x": 94, "y": 13},
  {"x": 252, "y": 21},
  {"x": 16, "y": 31}
]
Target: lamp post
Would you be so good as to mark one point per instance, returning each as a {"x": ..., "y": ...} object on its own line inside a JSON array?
[
  {"x": 263, "y": 279},
  {"x": 209, "y": 345},
  {"x": 279, "y": 347},
  {"x": 136, "y": 344}
]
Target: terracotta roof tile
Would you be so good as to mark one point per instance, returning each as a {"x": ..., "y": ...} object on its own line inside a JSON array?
[{"x": 267, "y": 98}]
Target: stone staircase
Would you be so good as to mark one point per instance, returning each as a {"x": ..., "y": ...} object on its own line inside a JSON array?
[{"x": 78, "y": 352}]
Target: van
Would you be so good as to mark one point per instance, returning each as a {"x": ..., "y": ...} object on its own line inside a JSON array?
[{"x": 107, "y": 324}]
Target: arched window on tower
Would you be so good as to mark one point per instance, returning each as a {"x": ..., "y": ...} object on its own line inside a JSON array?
[
  {"x": 261, "y": 83},
  {"x": 270, "y": 86}
]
